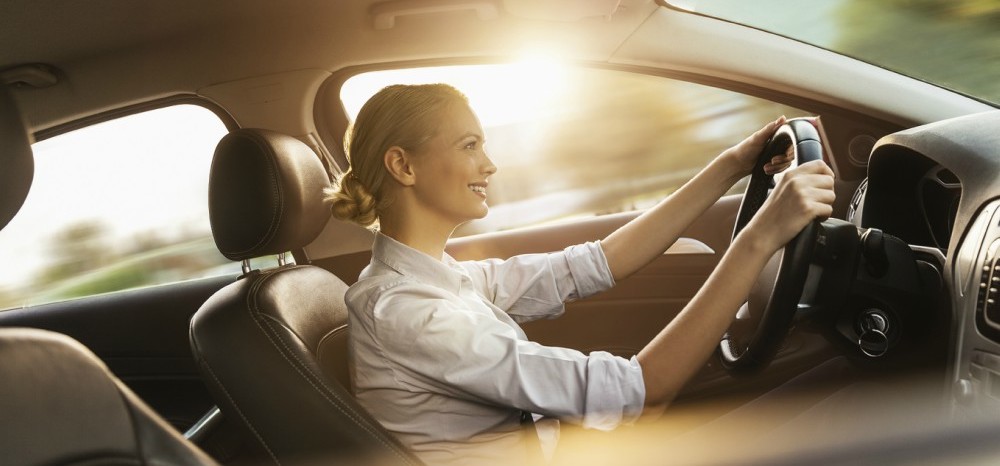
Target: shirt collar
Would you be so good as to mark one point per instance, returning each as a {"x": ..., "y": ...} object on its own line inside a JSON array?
[{"x": 409, "y": 262}]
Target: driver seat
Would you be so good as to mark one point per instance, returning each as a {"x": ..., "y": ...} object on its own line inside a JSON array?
[{"x": 273, "y": 345}]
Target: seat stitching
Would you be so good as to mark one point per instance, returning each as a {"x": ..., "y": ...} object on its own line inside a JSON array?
[
  {"x": 352, "y": 416},
  {"x": 253, "y": 309},
  {"x": 276, "y": 193},
  {"x": 239, "y": 411},
  {"x": 135, "y": 425},
  {"x": 330, "y": 334},
  {"x": 325, "y": 393}
]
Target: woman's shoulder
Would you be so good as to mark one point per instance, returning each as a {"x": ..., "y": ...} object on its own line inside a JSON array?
[
  {"x": 400, "y": 306},
  {"x": 369, "y": 292},
  {"x": 369, "y": 289}
]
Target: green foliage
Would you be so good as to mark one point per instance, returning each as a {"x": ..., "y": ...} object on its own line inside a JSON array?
[
  {"x": 83, "y": 264},
  {"x": 977, "y": 10},
  {"x": 75, "y": 249},
  {"x": 955, "y": 43},
  {"x": 116, "y": 279}
]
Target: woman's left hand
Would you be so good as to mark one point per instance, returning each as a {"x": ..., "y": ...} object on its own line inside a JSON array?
[{"x": 746, "y": 152}]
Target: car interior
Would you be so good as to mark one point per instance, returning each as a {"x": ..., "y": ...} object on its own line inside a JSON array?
[
  {"x": 227, "y": 342},
  {"x": 288, "y": 323},
  {"x": 61, "y": 404}
]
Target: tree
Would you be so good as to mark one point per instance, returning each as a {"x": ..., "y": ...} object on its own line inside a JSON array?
[
  {"x": 77, "y": 248},
  {"x": 955, "y": 43}
]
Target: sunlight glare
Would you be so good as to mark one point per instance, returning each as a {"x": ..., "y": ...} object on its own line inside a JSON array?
[{"x": 499, "y": 94}]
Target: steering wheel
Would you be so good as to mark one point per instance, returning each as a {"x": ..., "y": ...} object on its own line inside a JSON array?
[{"x": 762, "y": 322}]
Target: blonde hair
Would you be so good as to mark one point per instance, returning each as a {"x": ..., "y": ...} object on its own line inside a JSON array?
[{"x": 398, "y": 115}]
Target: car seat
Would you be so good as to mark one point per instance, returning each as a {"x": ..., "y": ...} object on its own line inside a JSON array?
[{"x": 273, "y": 345}]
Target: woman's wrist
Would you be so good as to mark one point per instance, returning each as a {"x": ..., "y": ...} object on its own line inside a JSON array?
[
  {"x": 754, "y": 241},
  {"x": 731, "y": 166}
]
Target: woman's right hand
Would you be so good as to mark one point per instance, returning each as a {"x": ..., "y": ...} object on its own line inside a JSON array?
[{"x": 803, "y": 194}]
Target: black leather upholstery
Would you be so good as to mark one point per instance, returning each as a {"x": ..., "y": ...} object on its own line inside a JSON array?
[
  {"x": 261, "y": 203},
  {"x": 61, "y": 405},
  {"x": 272, "y": 346},
  {"x": 18, "y": 165}
]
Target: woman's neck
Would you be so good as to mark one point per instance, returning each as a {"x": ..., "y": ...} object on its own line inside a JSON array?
[{"x": 420, "y": 236}]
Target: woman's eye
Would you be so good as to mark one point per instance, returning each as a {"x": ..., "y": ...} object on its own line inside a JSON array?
[{"x": 471, "y": 145}]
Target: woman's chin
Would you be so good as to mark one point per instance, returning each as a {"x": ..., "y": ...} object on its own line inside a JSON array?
[{"x": 479, "y": 214}]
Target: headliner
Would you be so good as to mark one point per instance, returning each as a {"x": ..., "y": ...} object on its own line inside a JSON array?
[{"x": 110, "y": 53}]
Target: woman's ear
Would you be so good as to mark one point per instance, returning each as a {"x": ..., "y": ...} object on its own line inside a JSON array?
[{"x": 397, "y": 162}]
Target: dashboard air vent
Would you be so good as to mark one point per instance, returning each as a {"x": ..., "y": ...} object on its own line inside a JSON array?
[
  {"x": 989, "y": 284},
  {"x": 946, "y": 177}
]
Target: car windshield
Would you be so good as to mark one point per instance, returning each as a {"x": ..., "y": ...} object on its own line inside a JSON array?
[{"x": 951, "y": 43}]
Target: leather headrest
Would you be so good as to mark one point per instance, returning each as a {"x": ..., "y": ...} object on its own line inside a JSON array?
[
  {"x": 265, "y": 194},
  {"x": 15, "y": 158}
]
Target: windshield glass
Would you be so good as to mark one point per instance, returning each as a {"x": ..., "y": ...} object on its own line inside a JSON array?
[{"x": 950, "y": 43}]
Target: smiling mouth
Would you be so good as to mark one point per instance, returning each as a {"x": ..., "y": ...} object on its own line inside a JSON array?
[{"x": 478, "y": 189}]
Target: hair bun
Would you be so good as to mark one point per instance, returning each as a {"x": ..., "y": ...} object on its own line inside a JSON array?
[{"x": 350, "y": 200}]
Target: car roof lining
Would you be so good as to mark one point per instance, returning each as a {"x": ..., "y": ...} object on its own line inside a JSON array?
[
  {"x": 158, "y": 50},
  {"x": 208, "y": 48}
]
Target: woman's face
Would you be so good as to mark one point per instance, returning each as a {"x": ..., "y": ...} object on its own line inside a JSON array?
[{"x": 452, "y": 168}]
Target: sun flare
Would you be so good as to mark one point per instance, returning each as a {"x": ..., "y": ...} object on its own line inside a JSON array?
[{"x": 500, "y": 94}]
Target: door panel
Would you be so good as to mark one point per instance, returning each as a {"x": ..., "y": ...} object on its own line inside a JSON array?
[{"x": 142, "y": 336}]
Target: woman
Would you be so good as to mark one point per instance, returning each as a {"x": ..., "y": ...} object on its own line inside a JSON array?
[{"x": 438, "y": 355}]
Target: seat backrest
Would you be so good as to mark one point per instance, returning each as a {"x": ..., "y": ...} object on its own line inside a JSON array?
[
  {"x": 272, "y": 346},
  {"x": 59, "y": 404}
]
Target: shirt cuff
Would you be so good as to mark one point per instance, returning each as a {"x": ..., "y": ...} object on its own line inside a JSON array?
[
  {"x": 616, "y": 392},
  {"x": 589, "y": 268}
]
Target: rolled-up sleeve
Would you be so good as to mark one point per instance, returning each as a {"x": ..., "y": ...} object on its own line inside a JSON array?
[
  {"x": 435, "y": 344},
  {"x": 532, "y": 286},
  {"x": 588, "y": 268}
]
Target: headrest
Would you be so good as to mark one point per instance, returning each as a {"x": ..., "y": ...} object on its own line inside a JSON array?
[
  {"x": 265, "y": 194},
  {"x": 15, "y": 158}
]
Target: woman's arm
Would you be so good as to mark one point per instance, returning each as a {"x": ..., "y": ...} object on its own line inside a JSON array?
[
  {"x": 680, "y": 349},
  {"x": 646, "y": 237}
]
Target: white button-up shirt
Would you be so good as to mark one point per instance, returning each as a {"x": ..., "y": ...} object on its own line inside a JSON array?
[{"x": 440, "y": 360}]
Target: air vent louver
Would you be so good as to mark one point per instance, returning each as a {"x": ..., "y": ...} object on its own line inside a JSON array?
[{"x": 989, "y": 284}]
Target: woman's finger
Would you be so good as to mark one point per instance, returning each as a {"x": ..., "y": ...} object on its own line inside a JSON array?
[
  {"x": 761, "y": 136},
  {"x": 780, "y": 163},
  {"x": 772, "y": 168},
  {"x": 815, "y": 166}
]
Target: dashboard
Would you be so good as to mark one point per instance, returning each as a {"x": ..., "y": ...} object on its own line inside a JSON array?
[
  {"x": 916, "y": 200},
  {"x": 937, "y": 188}
]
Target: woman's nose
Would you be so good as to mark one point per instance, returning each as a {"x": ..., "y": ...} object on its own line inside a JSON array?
[{"x": 488, "y": 168}]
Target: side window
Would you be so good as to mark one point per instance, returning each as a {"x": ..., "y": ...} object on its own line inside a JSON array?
[
  {"x": 117, "y": 205},
  {"x": 571, "y": 142}
]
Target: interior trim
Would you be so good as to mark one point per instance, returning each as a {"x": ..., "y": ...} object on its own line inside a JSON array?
[
  {"x": 127, "y": 110},
  {"x": 206, "y": 424},
  {"x": 688, "y": 246}
]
